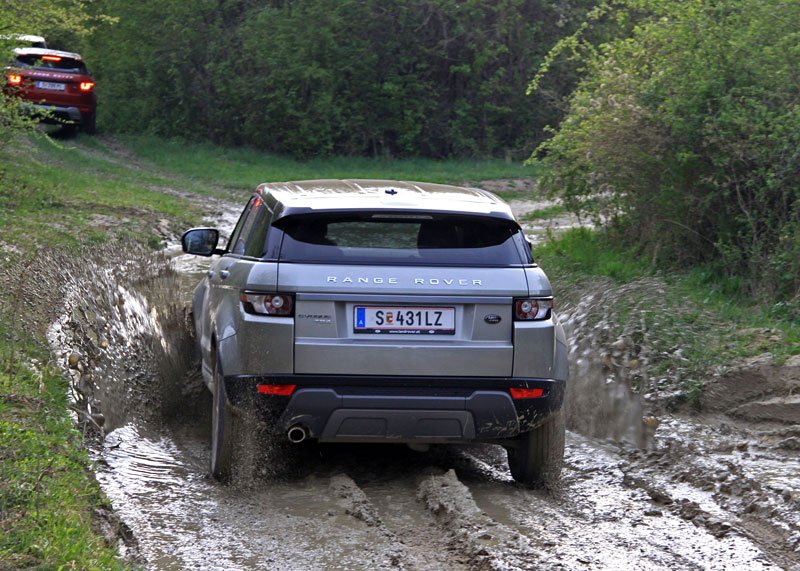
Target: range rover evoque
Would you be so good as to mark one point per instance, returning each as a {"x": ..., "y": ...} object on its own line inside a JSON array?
[{"x": 381, "y": 311}]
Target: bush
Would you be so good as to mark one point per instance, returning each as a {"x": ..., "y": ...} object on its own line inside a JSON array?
[{"x": 683, "y": 137}]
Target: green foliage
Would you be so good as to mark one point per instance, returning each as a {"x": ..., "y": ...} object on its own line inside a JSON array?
[
  {"x": 23, "y": 17},
  {"x": 428, "y": 78},
  {"x": 683, "y": 136},
  {"x": 583, "y": 250}
]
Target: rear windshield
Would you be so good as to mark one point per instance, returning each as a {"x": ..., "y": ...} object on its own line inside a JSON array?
[
  {"x": 402, "y": 239},
  {"x": 66, "y": 64}
]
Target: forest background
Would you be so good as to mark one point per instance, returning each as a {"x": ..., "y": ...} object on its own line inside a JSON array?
[{"x": 673, "y": 123}]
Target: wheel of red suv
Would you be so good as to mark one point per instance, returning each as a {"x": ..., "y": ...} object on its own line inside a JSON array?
[
  {"x": 89, "y": 124},
  {"x": 223, "y": 430},
  {"x": 535, "y": 458}
]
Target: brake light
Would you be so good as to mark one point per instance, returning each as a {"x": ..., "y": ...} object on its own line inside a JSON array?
[
  {"x": 51, "y": 58},
  {"x": 267, "y": 303},
  {"x": 14, "y": 79},
  {"x": 87, "y": 85},
  {"x": 517, "y": 394},
  {"x": 533, "y": 309},
  {"x": 278, "y": 390}
]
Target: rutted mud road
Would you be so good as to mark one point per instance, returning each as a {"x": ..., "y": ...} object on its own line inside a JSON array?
[{"x": 691, "y": 493}]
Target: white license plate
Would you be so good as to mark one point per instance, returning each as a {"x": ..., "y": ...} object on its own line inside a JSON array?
[
  {"x": 404, "y": 320},
  {"x": 51, "y": 85}
]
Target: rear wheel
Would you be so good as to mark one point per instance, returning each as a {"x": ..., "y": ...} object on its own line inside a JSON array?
[
  {"x": 89, "y": 123},
  {"x": 535, "y": 457},
  {"x": 224, "y": 428}
]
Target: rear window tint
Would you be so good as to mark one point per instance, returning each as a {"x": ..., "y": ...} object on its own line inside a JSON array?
[
  {"x": 402, "y": 239},
  {"x": 65, "y": 64}
]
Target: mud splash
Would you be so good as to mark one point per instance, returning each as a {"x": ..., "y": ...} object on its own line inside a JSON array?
[
  {"x": 601, "y": 401},
  {"x": 123, "y": 349}
]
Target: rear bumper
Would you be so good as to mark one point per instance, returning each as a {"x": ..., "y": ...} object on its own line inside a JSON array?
[
  {"x": 56, "y": 113},
  {"x": 401, "y": 409}
]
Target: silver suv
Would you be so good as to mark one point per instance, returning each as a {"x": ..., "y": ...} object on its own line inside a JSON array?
[{"x": 381, "y": 311}]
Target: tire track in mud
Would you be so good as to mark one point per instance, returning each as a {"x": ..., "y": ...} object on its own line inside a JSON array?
[
  {"x": 600, "y": 518},
  {"x": 436, "y": 523},
  {"x": 393, "y": 510}
]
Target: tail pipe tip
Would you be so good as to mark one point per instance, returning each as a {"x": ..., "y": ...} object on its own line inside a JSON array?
[{"x": 297, "y": 434}]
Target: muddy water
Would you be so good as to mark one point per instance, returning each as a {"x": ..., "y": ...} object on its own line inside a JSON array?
[{"x": 687, "y": 495}]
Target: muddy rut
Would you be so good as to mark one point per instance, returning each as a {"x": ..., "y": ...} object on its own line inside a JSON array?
[{"x": 675, "y": 492}]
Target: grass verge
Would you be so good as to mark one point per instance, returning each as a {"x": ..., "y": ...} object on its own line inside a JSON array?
[
  {"x": 51, "y": 196},
  {"x": 48, "y": 496},
  {"x": 689, "y": 325},
  {"x": 246, "y": 168}
]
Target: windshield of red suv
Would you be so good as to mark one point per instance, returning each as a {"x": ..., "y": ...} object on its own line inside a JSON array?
[
  {"x": 56, "y": 63},
  {"x": 404, "y": 239}
]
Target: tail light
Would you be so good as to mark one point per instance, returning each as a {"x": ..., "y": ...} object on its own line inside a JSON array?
[
  {"x": 14, "y": 79},
  {"x": 51, "y": 58},
  {"x": 267, "y": 303},
  {"x": 87, "y": 85},
  {"x": 533, "y": 308},
  {"x": 278, "y": 390},
  {"x": 517, "y": 394}
]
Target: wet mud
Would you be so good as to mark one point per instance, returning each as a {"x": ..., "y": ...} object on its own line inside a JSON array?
[{"x": 670, "y": 491}]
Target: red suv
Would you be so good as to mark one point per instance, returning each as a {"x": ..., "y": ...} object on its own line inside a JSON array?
[{"x": 53, "y": 81}]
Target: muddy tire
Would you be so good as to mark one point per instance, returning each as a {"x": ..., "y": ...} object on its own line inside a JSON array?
[
  {"x": 535, "y": 457},
  {"x": 89, "y": 124},
  {"x": 224, "y": 430}
]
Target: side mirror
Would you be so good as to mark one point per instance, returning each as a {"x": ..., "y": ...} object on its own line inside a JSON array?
[{"x": 201, "y": 242}]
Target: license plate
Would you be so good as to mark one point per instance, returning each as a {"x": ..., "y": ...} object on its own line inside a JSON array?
[
  {"x": 405, "y": 320},
  {"x": 51, "y": 85}
]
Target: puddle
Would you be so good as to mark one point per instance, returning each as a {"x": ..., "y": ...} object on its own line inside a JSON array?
[{"x": 595, "y": 523}]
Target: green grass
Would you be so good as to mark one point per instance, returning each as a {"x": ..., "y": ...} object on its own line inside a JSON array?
[
  {"x": 765, "y": 327},
  {"x": 47, "y": 495},
  {"x": 582, "y": 250},
  {"x": 243, "y": 168},
  {"x": 545, "y": 213},
  {"x": 55, "y": 196},
  {"x": 510, "y": 195}
]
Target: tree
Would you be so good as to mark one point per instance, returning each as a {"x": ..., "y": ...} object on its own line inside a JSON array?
[{"x": 311, "y": 77}]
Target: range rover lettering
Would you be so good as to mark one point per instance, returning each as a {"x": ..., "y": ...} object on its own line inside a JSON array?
[{"x": 381, "y": 311}]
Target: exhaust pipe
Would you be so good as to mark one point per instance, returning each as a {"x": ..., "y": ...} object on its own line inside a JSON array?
[{"x": 297, "y": 434}]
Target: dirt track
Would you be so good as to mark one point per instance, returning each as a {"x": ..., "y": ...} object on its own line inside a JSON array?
[{"x": 721, "y": 491}]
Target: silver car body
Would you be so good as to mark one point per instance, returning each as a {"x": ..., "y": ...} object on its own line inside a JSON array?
[{"x": 488, "y": 352}]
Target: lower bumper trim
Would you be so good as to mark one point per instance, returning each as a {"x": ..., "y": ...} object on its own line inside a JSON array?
[{"x": 398, "y": 425}]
